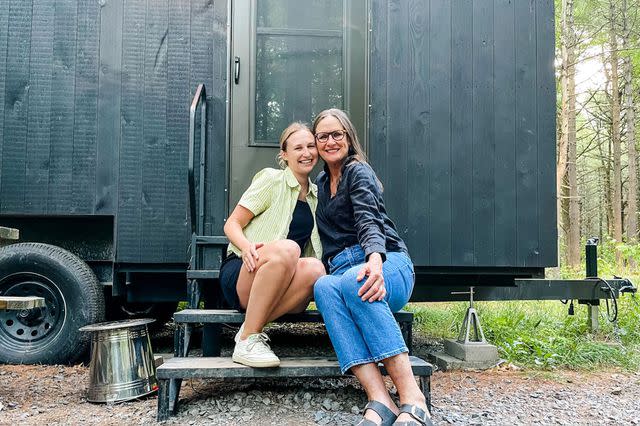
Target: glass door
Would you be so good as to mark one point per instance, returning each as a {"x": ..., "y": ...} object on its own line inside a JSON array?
[{"x": 290, "y": 60}]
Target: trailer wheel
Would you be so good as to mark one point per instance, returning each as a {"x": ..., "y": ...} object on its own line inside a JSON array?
[{"x": 73, "y": 298}]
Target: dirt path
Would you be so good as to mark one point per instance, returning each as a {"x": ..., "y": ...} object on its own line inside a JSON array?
[
  {"x": 55, "y": 394},
  {"x": 38, "y": 395}
]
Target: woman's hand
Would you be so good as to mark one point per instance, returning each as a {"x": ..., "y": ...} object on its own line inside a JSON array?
[
  {"x": 250, "y": 255},
  {"x": 373, "y": 288}
]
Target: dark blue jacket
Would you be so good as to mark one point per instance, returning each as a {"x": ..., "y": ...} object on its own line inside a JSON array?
[{"x": 356, "y": 215}]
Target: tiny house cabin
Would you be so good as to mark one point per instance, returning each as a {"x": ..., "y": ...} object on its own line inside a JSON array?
[{"x": 454, "y": 100}]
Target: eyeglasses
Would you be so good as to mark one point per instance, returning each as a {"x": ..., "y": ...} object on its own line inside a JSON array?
[{"x": 336, "y": 135}]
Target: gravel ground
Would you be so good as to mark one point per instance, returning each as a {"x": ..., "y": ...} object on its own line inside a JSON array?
[{"x": 504, "y": 395}]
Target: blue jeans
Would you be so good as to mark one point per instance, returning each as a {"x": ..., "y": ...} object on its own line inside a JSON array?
[{"x": 363, "y": 332}]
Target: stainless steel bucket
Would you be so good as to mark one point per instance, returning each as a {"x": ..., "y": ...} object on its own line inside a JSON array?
[{"x": 122, "y": 365}]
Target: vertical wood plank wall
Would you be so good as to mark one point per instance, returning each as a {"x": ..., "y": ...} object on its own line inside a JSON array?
[
  {"x": 94, "y": 106},
  {"x": 94, "y": 99},
  {"x": 462, "y": 128}
]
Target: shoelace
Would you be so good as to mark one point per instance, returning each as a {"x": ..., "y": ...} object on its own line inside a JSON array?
[{"x": 259, "y": 339}]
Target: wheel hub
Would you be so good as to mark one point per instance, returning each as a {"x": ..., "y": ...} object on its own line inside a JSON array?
[{"x": 30, "y": 325}]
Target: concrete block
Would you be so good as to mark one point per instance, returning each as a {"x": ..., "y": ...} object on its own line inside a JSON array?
[
  {"x": 446, "y": 362},
  {"x": 473, "y": 352}
]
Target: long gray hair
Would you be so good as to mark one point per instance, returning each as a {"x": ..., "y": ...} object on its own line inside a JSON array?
[{"x": 355, "y": 149}]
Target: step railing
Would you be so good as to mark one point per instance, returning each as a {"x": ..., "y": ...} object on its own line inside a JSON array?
[{"x": 197, "y": 218}]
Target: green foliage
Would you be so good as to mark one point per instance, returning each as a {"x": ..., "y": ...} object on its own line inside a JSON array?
[
  {"x": 542, "y": 334},
  {"x": 614, "y": 259}
]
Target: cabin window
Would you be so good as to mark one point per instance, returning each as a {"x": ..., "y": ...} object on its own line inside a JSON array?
[{"x": 303, "y": 57}]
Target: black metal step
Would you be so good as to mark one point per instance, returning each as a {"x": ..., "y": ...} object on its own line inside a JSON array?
[
  {"x": 203, "y": 274},
  {"x": 231, "y": 316},
  {"x": 213, "y": 240},
  {"x": 223, "y": 367},
  {"x": 174, "y": 370}
]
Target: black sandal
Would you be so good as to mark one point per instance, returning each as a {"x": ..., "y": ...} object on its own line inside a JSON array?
[
  {"x": 417, "y": 413},
  {"x": 388, "y": 417}
]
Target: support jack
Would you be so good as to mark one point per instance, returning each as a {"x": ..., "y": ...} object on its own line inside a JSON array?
[{"x": 470, "y": 350}]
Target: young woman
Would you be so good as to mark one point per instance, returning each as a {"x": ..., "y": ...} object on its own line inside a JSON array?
[
  {"x": 272, "y": 225},
  {"x": 371, "y": 275}
]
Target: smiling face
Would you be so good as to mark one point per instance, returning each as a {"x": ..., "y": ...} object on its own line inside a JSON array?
[
  {"x": 300, "y": 152},
  {"x": 332, "y": 151}
]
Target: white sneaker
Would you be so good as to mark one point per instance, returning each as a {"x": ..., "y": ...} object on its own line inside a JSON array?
[
  {"x": 239, "y": 333},
  {"x": 254, "y": 351}
]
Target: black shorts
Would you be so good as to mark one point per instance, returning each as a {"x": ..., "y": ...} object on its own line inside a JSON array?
[{"x": 229, "y": 273}]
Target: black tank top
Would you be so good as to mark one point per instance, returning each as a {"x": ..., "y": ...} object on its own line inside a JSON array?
[{"x": 301, "y": 224}]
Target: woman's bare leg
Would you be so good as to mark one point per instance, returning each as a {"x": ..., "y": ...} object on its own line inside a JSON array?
[
  {"x": 371, "y": 380},
  {"x": 298, "y": 295},
  {"x": 259, "y": 289},
  {"x": 399, "y": 368}
]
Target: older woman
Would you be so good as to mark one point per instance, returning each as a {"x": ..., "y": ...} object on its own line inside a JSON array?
[
  {"x": 272, "y": 225},
  {"x": 371, "y": 275}
]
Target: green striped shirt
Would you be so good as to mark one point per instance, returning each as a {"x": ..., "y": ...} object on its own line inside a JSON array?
[{"x": 272, "y": 197}]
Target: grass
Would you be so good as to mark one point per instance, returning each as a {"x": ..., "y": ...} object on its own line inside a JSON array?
[{"x": 542, "y": 335}]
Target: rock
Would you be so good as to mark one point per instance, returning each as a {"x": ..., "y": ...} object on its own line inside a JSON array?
[
  {"x": 355, "y": 409},
  {"x": 319, "y": 415},
  {"x": 616, "y": 391},
  {"x": 326, "y": 403},
  {"x": 325, "y": 420}
]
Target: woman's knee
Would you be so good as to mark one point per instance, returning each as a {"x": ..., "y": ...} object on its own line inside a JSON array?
[
  {"x": 285, "y": 253},
  {"x": 349, "y": 284},
  {"x": 310, "y": 269},
  {"x": 324, "y": 287}
]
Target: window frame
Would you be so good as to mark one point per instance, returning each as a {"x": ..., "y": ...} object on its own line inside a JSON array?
[{"x": 355, "y": 64}]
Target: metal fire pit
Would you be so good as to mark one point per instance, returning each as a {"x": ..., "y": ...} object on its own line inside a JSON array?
[{"x": 122, "y": 365}]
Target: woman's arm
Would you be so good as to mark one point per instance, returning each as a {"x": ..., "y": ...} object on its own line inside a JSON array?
[
  {"x": 364, "y": 192},
  {"x": 253, "y": 202},
  {"x": 239, "y": 218}
]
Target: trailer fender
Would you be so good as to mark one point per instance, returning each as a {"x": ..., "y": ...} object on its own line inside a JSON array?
[{"x": 73, "y": 299}]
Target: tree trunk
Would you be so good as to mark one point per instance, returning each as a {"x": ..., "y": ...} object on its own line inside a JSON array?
[
  {"x": 567, "y": 145},
  {"x": 632, "y": 187},
  {"x": 615, "y": 129}
]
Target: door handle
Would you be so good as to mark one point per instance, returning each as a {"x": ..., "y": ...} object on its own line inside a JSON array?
[{"x": 236, "y": 70}]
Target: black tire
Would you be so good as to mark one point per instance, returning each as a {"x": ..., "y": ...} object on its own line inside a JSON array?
[{"x": 73, "y": 299}]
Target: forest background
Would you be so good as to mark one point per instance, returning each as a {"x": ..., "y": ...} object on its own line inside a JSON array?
[{"x": 598, "y": 87}]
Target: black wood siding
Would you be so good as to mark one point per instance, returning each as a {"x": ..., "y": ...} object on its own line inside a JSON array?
[
  {"x": 462, "y": 128},
  {"x": 94, "y": 99}
]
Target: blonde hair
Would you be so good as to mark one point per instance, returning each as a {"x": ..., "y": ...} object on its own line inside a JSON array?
[
  {"x": 296, "y": 126},
  {"x": 355, "y": 149}
]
